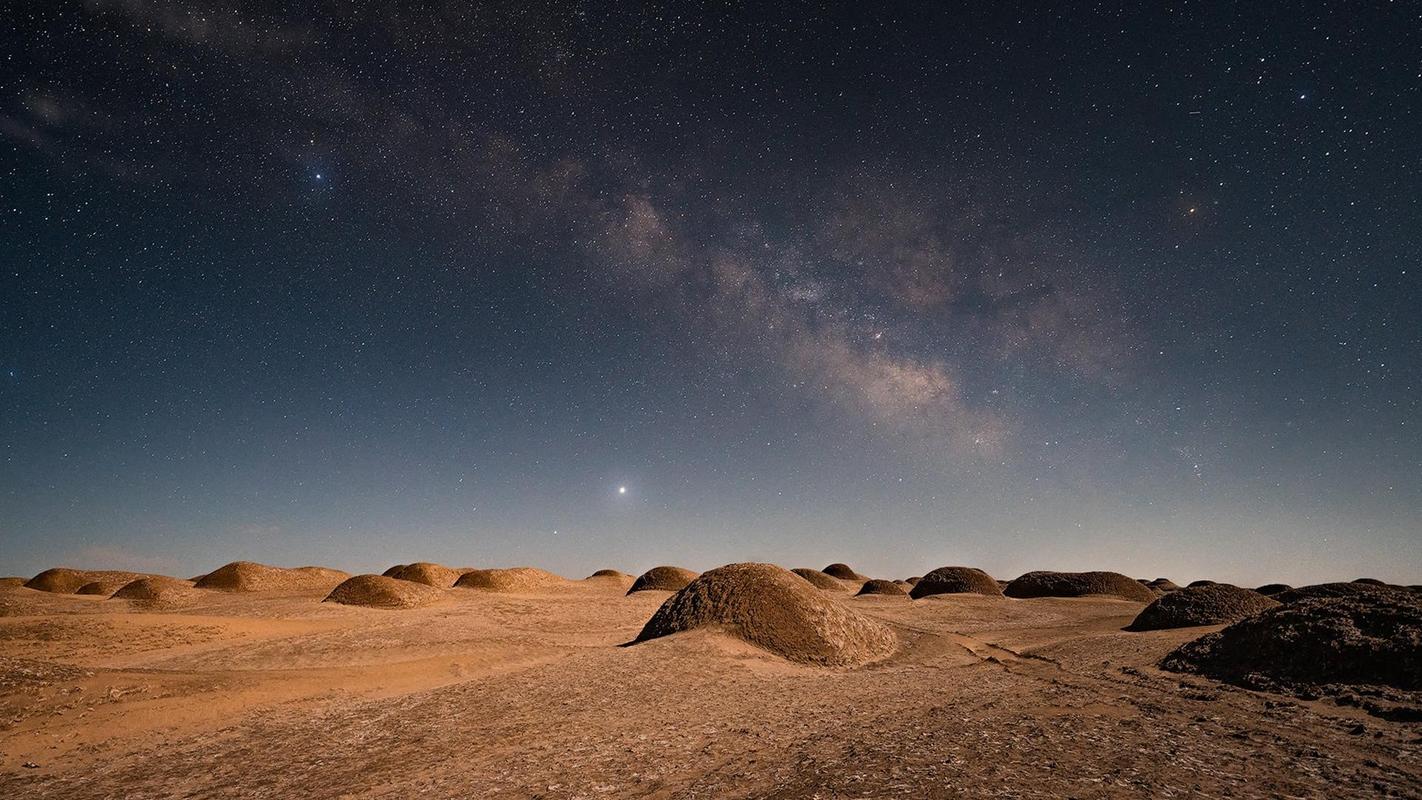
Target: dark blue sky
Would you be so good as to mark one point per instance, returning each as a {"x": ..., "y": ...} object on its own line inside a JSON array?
[{"x": 902, "y": 285}]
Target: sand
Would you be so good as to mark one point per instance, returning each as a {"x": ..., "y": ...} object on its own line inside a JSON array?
[{"x": 273, "y": 693}]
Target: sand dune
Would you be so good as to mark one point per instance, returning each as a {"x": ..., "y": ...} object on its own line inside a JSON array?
[
  {"x": 63, "y": 580},
  {"x": 882, "y": 587},
  {"x": 821, "y": 580}
]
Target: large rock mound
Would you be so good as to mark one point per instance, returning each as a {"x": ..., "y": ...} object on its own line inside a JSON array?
[
  {"x": 612, "y": 574},
  {"x": 1323, "y": 591},
  {"x": 248, "y": 576},
  {"x": 820, "y": 580},
  {"x": 668, "y": 579},
  {"x": 514, "y": 580},
  {"x": 1273, "y": 589},
  {"x": 956, "y": 580},
  {"x": 1200, "y": 605},
  {"x": 774, "y": 610},
  {"x": 843, "y": 572},
  {"x": 1371, "y": 640},
  {"x": 381, "y": 591},
  {"x": 157, "y": 590},
  {"x": 63, "y": 580},
  {"x": 1163, "y": 585},
  {"x": 1078, "y": 584},
  {"x": 881, "y": 586},
  {"x": 428, "y": 573},
  {"x": 11, "y": 581},
  {"x": 106, "y": 586}
]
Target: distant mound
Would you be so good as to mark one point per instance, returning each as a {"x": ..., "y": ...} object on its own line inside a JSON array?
[
  {"x": 1371, "y": 640},
  {"x": 513, "y": 580},
  {"x": 105, "y": 586},
  {"x": 430, "y": 574},
  {"x": 1201, "y": 582},
  {"x": 914, "y": 580},
  {"x": 1077, "y": 584},
  {"x": 1164, "y": 585},
  {"x": 956, "y": 580},
  {"x": 1370, "y": 581},
  {"x": 1272, "y": 589},
  {"x": 820, "y": 580},
  {"x": 390, "y": 573},
  {"x": 157, "y": 590},
  {"x": 774, "y": 610},
  {"x": 1334, "y": 590},
  {"x": 382, "y": 591},
  {"x": 880, "y": 586},
  {"x": 63, "y": 580},
  {"x": 1201, "y": 605},
  {"x": 610, "y": 573},
  {"x": 11, "y": 582},
  {"x": 670, "y": 579},
  {"x": 843, "y": 572},
  {"x": 248, "y": 576}
]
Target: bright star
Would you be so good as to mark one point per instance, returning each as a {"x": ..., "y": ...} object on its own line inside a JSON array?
[{"x": 622, "y": 490}]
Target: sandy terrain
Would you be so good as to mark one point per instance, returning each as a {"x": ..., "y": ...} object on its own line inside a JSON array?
[{"x": 482, "y": 694}]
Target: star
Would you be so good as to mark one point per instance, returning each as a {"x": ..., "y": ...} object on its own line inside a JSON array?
[{"x": 622, "y": 490}]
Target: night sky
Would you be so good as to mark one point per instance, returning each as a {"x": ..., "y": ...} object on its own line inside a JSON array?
[{"x": 1083, "y": 287}]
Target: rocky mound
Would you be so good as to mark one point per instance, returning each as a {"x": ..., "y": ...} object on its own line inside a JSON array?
[
  {"x": 1320, "y": 591},
  {"x": 157, "y": 590},
  {"x": 1371, "y": 640},
  {"x": 610, "y": 573},
  {"x": 1201, "y": 582},
  {"x": 820, "y": 580},
  {"x": 843, "y": 572},
  {"x": 774, "y": 610},
  {"x": 382, "y": 591},
  {"x": 513, "y": 580},
  {"x": 956, "y": 580},
  {"x": 669, "y": 579},
  {"x": 1272, "y": 589},
  {"x": 390, "y": 573},
  {"x": 914, "y": 580},
  {"x": 248, "y": 576},
  {"x": 1200, "y": 605},
  {"x": 1077, "y": 584},
  {"x": 11, "y": 582},
  {"x": 1163, "y": 585},
  {"x": 1370, "y": 581},
  {"x": 105, "y": 586},
  {"x": 430, "y": 574},
  {"x": 63, "y": 580},
  {"x": 881, "y": 586}
]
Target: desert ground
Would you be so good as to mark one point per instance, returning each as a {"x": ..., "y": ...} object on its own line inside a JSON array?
[{"x": 536, "y": 689}]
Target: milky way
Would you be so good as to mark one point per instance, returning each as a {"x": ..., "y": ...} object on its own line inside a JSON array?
[{"x": 1129, "y": 289}]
